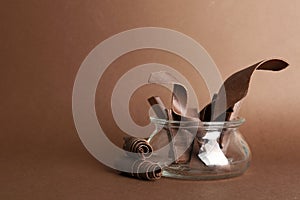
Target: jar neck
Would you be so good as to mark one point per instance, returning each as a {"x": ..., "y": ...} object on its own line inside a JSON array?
[{"x": 233, "y": 124}]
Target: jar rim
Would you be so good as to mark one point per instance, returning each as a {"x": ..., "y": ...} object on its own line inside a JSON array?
[{"x": 201, "y": 124}]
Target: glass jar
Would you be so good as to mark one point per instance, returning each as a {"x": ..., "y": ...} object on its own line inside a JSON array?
[{"x": 200, "y": 150}]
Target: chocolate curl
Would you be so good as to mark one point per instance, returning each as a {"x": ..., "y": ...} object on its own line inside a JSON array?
[
  {"x": 143, "y": 169},
  {"x": 236, "y": 87},
  {"x": 140, "y": 168},
  {"x": 138, "y": 145},
  {"x": 153, "y": 171}
]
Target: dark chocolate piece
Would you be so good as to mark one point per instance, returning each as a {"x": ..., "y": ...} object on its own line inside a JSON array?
[{"x": 236, "y": 87}]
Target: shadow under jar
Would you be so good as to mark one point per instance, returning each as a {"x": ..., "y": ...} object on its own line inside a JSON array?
[{"x": 200, "y": 150}]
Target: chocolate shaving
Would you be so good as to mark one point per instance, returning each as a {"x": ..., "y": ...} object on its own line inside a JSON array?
[{"x": 235, "y": 88}]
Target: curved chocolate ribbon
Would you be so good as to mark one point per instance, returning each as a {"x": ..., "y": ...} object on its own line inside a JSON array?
[{"x": 235, "y": 88}]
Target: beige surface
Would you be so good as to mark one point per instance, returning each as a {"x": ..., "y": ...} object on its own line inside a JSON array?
[{"x": 42, "y": 46}]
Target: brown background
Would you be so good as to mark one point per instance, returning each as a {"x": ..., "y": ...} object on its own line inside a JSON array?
[{"x": 43, "y": 44}]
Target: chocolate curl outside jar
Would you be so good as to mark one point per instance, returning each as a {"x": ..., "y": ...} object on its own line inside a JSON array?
[
  {"x": 235, "y": 88},
  {"x": 142, "y": 169},
  {"x": 139, "y": 146},
  {"x": 153, "y": 171}
]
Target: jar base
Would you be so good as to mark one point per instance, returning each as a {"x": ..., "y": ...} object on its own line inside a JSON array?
[{"x": 206, "y": 173}]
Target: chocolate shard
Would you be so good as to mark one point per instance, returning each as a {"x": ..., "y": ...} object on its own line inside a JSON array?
[
  {"x": 179, "y": 110},
  {"x": 158, "y": 107},
  {"x": 225, "y": 116},
  {"x": 179, "y": 139},
  {"x": 153, "y": 171},
  {"x": 179, "y": 100},
  {"x": 179, "y": 94},
  {"x": 205, "y": 113},
  {"x": 162, "y": 77},
  {"x": 236, "y": 87}
]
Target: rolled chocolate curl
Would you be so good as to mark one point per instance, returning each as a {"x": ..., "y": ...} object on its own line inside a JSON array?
[
  {"x": 152, "y": 170},
  {"x": 235, "y": 88},
  {"x": 139, "y": 146},
  {"x": 143, "y": 169}
]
